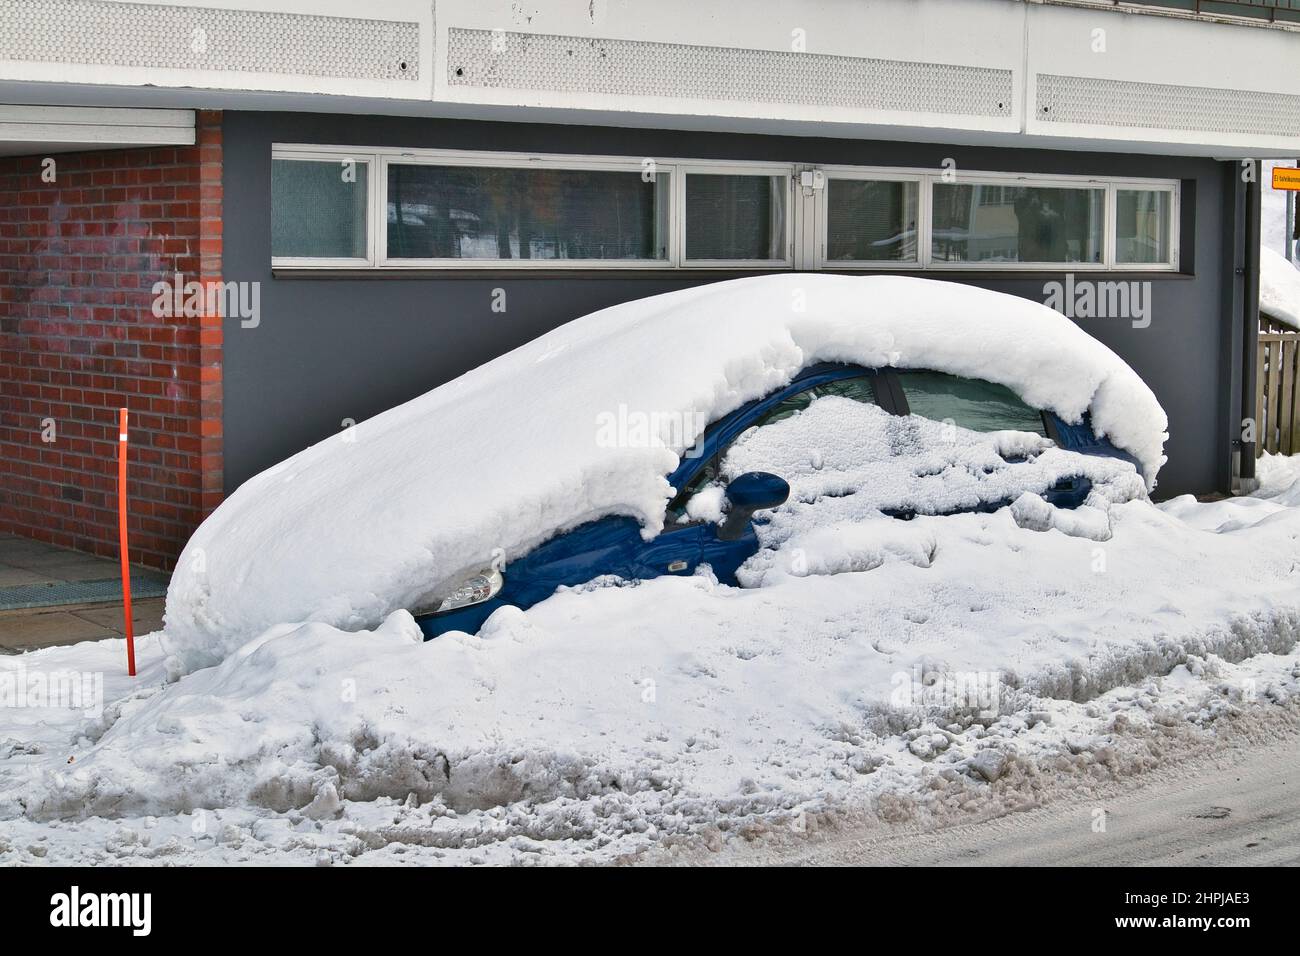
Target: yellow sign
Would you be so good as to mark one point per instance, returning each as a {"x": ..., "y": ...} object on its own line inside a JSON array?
[{"x": 1286, "y": 177}]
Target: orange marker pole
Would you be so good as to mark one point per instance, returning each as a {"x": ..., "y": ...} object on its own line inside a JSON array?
[{"x": 121, "y": 539}]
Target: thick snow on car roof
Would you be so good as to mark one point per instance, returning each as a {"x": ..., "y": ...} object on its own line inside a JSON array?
[{"x": 508, "y": 454}]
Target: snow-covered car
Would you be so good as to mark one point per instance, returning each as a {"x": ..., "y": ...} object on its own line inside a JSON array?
[
  {"x": 642, "y": 439},
  {"x": 712, "y": 515}
]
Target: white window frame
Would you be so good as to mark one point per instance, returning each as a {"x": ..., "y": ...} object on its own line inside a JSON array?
[
  {"x": 489, "y": 160},
  {"x": 1171, "y": 186},
  {"x": 805, "y": 218},
  {"x": 864, "y": 174},
  {"x": 982, "y": 178},
  {"x": 336, "y": 155},
  {"x": 781, "y": 171}
]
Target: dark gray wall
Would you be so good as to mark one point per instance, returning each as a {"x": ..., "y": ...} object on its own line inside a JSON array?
[{"x": 336, "y": 347}]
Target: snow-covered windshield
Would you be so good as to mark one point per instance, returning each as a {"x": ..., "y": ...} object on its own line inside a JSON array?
[
  {"x": 852, "y": 465},
  {"x": 838, "y": 447}
]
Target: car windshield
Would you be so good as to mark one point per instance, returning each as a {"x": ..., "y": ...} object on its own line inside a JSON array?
[
  {"x": 968, "y": 402},
  {"x": 846, "y": 459}
]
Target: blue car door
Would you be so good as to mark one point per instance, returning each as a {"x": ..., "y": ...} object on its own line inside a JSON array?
[{"x": 675, "y": 550}]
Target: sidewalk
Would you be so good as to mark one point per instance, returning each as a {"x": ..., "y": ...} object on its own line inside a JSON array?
[{"x": 49, "y": 595}]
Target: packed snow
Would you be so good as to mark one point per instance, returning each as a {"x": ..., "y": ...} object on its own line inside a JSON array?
[
  {"x": 1279, "y": 280},
  {"x": 615, "y": 720},
  {"x": 372, "y": 520},
  {"x": 1279, "y": 288},
  {"x": 943, "y": 668}
]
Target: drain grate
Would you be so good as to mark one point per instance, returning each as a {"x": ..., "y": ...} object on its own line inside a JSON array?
[{"x": 80, "y": 592}]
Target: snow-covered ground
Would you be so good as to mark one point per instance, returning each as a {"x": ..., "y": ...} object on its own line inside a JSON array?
[{"x": 971, "y": 666}]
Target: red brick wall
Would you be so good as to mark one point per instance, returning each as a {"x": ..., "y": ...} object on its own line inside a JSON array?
[{"x": 78, "y": 339}]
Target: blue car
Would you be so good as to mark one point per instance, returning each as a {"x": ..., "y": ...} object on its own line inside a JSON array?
[{"x": 614, "y": 545}]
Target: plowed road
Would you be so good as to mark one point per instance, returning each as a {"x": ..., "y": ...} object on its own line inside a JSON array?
[{"x": 1240, "y": 809}]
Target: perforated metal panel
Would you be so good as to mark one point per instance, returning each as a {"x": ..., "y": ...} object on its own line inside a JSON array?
[
  {"x": 204, "y": 38},
  {"x": 563, "y": 64},
  {"x": 1089, "y": 101}
]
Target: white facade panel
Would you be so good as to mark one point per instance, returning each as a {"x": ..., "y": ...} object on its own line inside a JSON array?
[
  {"x": 889, "y": 62},
  {"x": 322, "y": 46},
  {"x": 601, "y": 67},
  {"x": 1094, "y": 73},
  {"x": 974, "y": 71}
]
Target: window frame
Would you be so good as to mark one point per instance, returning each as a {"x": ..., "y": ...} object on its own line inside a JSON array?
[
  {"x": 1030, "y": 180},
  {"x": 780, "y": 170},
  {"x": 478, "y": 160},
  {"x": 868, "y": 174},
  {"x": 805, "y": 217},
  {"x": 340, "y": 156},
  {"x": 1170, "y": 186}
]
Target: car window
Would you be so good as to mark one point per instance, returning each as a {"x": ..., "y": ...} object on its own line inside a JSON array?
[
  {"x": 706, "y": 474},
  {"x": 859, "y": 389},
  {"x": 969, "y": 402}
]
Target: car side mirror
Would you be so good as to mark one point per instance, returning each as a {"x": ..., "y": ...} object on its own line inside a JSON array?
[{"x": 750, "y": 492}]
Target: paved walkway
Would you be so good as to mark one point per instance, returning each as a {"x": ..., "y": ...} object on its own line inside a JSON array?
[{"x": 27, "y": 566}]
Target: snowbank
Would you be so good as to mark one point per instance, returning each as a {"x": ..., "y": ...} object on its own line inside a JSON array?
[
  {"x": 878, "y": 676},
  {"x": 1279, "y": 288},
  {"x": 369, "y": 521}
]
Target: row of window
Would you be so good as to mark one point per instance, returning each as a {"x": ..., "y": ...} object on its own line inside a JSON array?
[{"x": 435, "y": 209}]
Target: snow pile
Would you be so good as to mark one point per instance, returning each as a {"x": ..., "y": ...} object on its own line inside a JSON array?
[
  {"x": 1276, "y": 474},
  {"x": 1279, "y": 288},
  {"x": 372, "y": 520},
  {"x": 712, "y": 711},
  {"x": 945, "y": 664}
]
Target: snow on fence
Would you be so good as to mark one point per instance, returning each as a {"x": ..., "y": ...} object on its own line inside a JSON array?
[{"x": 1277, "y": 388}]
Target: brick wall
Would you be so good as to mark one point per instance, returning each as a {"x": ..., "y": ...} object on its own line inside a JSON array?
[{"x": 79, "y": 257}]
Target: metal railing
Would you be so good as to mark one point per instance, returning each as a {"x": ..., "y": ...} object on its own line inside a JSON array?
[
  {"x": 1268, "y": 11},
  {"x": 1271, "y": 10}
]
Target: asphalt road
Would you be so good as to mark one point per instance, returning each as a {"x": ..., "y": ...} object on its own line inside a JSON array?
[{"x": 1237, "y": 809}]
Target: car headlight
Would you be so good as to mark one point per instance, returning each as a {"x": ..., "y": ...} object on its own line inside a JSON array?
[{"x": 475, "y": 589}]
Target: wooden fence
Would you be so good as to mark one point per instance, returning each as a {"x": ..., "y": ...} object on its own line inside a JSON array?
[{"x": 1277, "y": 390}]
